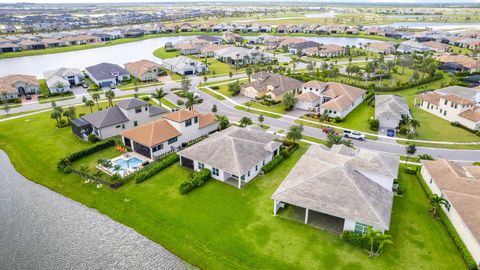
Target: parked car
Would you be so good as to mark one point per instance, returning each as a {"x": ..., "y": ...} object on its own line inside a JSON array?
[
  {"x": 328, "y": 130},
  {"x": 353, "y": 135},
  {"x": 390, "y": 132},
  {"x": 113, "y": 86},
  {"x": 28, "y": 97},
  {"x": 85, "y": 85}
]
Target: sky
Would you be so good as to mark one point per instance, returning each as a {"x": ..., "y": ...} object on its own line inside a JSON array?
[{"x": 263, "y": 1}]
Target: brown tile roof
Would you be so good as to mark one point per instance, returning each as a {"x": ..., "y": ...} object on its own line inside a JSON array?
[
  {"x": 458, "y": 100},
  {"x": 9, "y": 45},
  {"x": 384, "y": 46},
  {"x": 152, "y": 133},
  {"x": 461, "y": 187},
  {"x": 141, "y": 67},
  {"x": 471, "y": 115},
  {"x": 206, "y": 119},
  {"x": 307, "y": 97},
  {"x": 343, "y": 95},
  {"x": 460, "y": 59},
  {"x": 7, "y": 83},
  {"x": 213, "y": 47},
  {"x": 315, "y": 84},
  {"x": 431, "y": 97},
  {"x": 181, "y": 115},
  {"x": 436, "y": 45},
  {"x": 291, "y": 40},
  {"x": 264, "y": 80}
]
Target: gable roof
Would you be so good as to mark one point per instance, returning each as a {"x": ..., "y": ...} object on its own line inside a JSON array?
[
  {"x": 343, "y": 96},
  {"x": 181, "y": 115},
  {"x": 206, "y": 119},
  {"x": 141, "y": 67},
  {"x": 461, "y": 187},
  {"x": 153, "y": 133},
  {"x": 104, "y": 71},
  {"x": 391, "y": 106},
  {"x": 235, "y": 150},
  {"x": 182, "y": 62},
  {"x": 156, "y": 110},
  {"x": 280, "y": 83},
  {"x": 336, "y": 182},
  {"x": 105, "y": 118}
]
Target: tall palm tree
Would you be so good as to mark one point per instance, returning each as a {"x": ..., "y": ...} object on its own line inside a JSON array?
[
  {"x": 6, "y": 106},
  {"x": 96, "y": 97},
  {"x": 223, "y": 122},
  {"x": 159, "y": 94},
  {"x": 110, "y": 95},
  {"x": 295, "y": 133},
  {"x": 192, "y": 100},
  {"x": 57, "y": 116},
  {"x": 90, "y": 104},
  {"x": 436, "y": 201}
]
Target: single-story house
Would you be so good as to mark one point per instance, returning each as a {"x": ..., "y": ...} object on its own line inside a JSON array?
[
  {"x": 350, "y": 189},
  {"x": 235, "y": 153},
  {"x": 239, "y": 56},
  {"x": 60, "y": 80},
  {"x": 191, "y": 46},
  {"x": 210, "y": 49},
  {"x": 382, "y": 47},
  {"x": 270, "y": 84},
  {"x": 295, "y": 48},
  {"x": 10, "y": 47},
  {"x": 184, "y": 65},
  {"x": 411, "y": 46},
  {"x": 106, "y": 74},
  {"x": 458, "y": 63},
  {"x": 28, "y": 44},
  {"x": 328, "y": 50},
  {"x": 144, "y": 70},
  {"x": 112, "y": 121},
  {"x": 389, "y": 110},
  {"x": 19, "y": 85},
  {"x": 436, "y": 46},
  {"x": 459, "y": 185},
  {"x": 170, "y": 133}
]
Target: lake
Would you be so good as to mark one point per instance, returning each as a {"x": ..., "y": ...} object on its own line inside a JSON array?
[
  {"x": 117, "y": 54},
  {"x": 40, "y": 229}
]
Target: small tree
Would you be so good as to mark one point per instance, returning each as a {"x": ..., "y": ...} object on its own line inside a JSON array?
[
  {"x": 223, "y": 122},
  {"x": 245, "y": 121},
  {"x": 234, "y": 88},
  {"x": 159, "y": 94},
  {"x": 6, "y": 106},
  {"x": 230, "y": 74},
  {"x": 295, "y": 133},
  {"x": 90, "y": 104},
  {"x": 84, "y": 99},
  {"x": 261, "y": 119},
  {"x": 186, "y": 83},
  {"x": 382, "y": 239},
  {"x": 84, "y": 171},
  {"x": 410, "y": 149},
  {"x": 110, "y": 95},
  {"x": 96, "y": 97},
  {"x": 214, "y": 108},
  {"x": 436, "y": 201},
  {"x": 57, "y": 116},
  {"x": 289, "y": 101},
  {"x": 249, "y": 72}
]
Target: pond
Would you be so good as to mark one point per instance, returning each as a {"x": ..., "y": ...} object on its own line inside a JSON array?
[{"x": 118, "y": 54}]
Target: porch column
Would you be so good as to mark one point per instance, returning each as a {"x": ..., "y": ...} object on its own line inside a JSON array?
[
  {"x": 275, "y": 202},
  {"x": 414, "y": 101},
  {"x": 132, "y": 144},
  {"x": 123, "y": 140},
  {"x": 151, "y": 152},
  {"x": 306, "y": 215},
  {"x": 239, "y": 183}
]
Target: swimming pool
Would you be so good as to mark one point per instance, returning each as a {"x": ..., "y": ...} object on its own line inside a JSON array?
[{"x": 125, "y": 164}]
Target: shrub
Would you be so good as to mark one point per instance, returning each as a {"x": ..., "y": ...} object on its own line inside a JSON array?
[
  {"x": 272, "y": 164},
  {"x": 196, "y": 179},
  {"x": 146, "y": 98},
  {"x": 62, "y": 123},
  {"x": 425, "y": 157},
  {"x": 374, "y": 124},
  {"x": 156, "y": 167},
  {"x": 410, "y": 170},
  {"x": 180, "y": 102},
  {"x": 356, "y": 239},
  {"x": 93, "y": 138},
  {"x": 215, "y": 87},
  {"x": 63, "y": 165}
]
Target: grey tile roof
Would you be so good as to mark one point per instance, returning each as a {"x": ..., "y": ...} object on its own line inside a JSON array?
[
  {"x": 460, "y": 91},
  {"x": 104, "y": 71},
  {"x": 156, "y": 110},
  {"x": 235, "y": 150},
  {"x": 339, "y": 182},
  {"x": 109, "y": 117},
  {"x": 391, "y": 106},
  {"x": 132, "y": 103}
]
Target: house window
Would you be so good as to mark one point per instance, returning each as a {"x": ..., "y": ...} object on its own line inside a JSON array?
[
  {"x": 446, "y": 101},
  {"x": 256, "y": 167},
  {"x": 242, "y": 178},
  {"x": 188, "y": 122},
  {"x": 146, "y": 108},
  {"x": 263, "y": 162},
  {"x": 135, "y": 123},
  {"x": 117, "y": 126},
  {"x": 456, "y": 106},
  {"x": 172, "y": 140},
  {"x": 138, "y": 110},
  {"x": 123, "y": 126},
  {"x": 195, "y": 120},
  {"x": 215, "y": 172},
  {"x": 200, "y": 165},
  {"x": 248, "y": 173},
  {"x": 157, "y": 148},
  {"x": 445, "y": 113},
  {"x": 361, "y": 228}
]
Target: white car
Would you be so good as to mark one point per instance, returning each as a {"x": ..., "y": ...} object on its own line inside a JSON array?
[{"x": 353, "y": 135}]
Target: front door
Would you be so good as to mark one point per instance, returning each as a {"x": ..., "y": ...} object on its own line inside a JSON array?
[{"x": 21, "y": 91}]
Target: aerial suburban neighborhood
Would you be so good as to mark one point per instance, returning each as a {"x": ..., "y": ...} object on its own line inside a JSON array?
[{"x": 240, "y": 135}]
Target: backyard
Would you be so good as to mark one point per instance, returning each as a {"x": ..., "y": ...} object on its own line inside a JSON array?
[{"x": 219, "y": 226}]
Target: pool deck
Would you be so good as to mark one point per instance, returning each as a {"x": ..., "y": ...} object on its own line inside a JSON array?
[{"x": 126, "y": 156}]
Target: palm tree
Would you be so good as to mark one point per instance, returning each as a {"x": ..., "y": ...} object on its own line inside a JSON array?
[
  {"x": 223, "y": 122},
  {"x": 294, "y": 62},
  {"x": 110, "y": 95},
  {"x": 295, "y": 133},
  {"x": 261, "y": 119},
  {"x": 6, "y": 106},
  {"x": 90, "y": 104},
  {"x": 372, "y": 236},
  {"x": 249, "y": 72},
  {"x": 186, "y": 83},
  {"x": 159, "y": 94},
  {"x": 84, "y": 171},
  {"x": 410, "y": 149},
  {"x": 96, "y": 97},
  {"x": 192, "y": 100},
  {"x": 381, "y": 240},
  {"x": 57, "y": 116},
  {"x": 436, "y": 201}
]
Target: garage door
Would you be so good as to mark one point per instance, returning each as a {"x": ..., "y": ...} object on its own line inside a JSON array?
[
  {"x": 188, "y": 72},
  {"x": 105, "y": 84}
]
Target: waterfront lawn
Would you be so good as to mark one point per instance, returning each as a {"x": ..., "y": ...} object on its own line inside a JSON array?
[
  {"x": 163, "y": 54},
  {"x": 221, "y": 227},
  {"x": 92, "y": 161}
]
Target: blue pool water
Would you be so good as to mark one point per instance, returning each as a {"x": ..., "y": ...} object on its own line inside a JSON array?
[{"x": 127, "y": 163}]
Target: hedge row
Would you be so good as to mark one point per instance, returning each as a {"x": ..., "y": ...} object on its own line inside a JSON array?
[
  {"x": 196, "y": 179},
  {"x": 467, "y": 257},
  {"x": 284, "y": 154},
  {"x": 156, "y": 167},
  {"x": 63, "y": 165},
  {"x": 357, "y": 239}
]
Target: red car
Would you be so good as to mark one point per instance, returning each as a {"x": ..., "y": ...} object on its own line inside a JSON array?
[{"x": 328, "y": 130}]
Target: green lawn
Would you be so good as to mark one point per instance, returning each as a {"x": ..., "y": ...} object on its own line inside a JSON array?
[
  {"x": 278, "y": 108},
  {"x": 162, "y": 54},
  {"x": 91, "y": 161},
  {"x": 266, "y": 114},
  {"x": 44, "y": 87},
  {"x": 219, "y": 226},
  {"x": 212, "y": 93}
]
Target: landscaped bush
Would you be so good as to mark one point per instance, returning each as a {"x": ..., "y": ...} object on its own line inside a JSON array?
[
  {"x": 410, "y": 170},
  {"x": 63, "y": 165},
  {"x": 374, "y": 124},
  {"x": 93, "y": 138},
  {"x": 359, "y": 240},
  {"x": 156, "y": 167},
  {"x": 146, "y": 98},
  {"x": 272, "y": 164},
  {"x": 215, "y": 87},
  {"x": 467, "y": 257},
  {"x": 425, "y": 157},
  {"x": 196, "y": 179}
]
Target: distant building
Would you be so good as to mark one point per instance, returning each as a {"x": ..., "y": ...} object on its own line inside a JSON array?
[
  {"x": 19, "y": 85},
  {"x": 106, "y": 74},
  {"x": 60, "y": 80}
]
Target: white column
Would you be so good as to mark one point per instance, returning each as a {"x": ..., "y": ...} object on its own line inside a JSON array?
[
  {"x": 151, "y": 152},
  {"x": 132, "y": 144},
  {"x": 275, "y": 202},
  {"x": 239, "y": 183},
  {"x": 306, "y": 215}
]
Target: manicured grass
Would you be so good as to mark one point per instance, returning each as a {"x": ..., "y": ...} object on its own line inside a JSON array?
[
  {"x": 221, "y": 227},
  {"x": 212, "y": 93},
  {"x": 313, "y": 139},
  {"x": 55, "y": 99},
  {"x": 460, "y": 50},
  {"x": 163, "y": 54},
  {"x": 44, "y": 87},
  {"x": 131, "y": 84},
  {"x": 278, "y": 108},
  {"x": 92, "y": 161},
  {"x": 356, "y": 119},
  {"x": 222, "y": 82},
  {"x": 168, "y": 103},
  {"x": 266, "y": 114}
]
